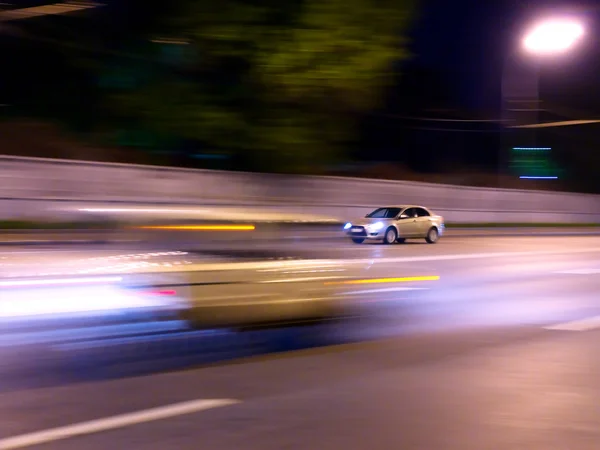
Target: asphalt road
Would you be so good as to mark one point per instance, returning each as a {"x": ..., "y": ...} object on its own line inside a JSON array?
[{"x": 500, "y": 352}]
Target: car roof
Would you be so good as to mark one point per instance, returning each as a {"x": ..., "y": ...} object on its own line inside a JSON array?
[{"x": 403, "y": 206}]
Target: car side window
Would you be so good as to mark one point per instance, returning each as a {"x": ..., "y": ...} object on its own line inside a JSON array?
[
  {"x": 422, "y": 212},
  {"x": 392, "y": 212},
  {"x": 410, "y": 212}
]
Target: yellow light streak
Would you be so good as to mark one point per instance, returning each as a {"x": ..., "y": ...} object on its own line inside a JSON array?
[{"x": 389, "y": 280}]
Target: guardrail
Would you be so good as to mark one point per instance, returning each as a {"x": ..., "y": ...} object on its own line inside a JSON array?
[{"x": 37, "y": 187}]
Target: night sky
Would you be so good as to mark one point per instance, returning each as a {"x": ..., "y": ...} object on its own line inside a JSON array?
[
  {"x": 460, "y": 49},
  {"x": 467, "y": 41}
]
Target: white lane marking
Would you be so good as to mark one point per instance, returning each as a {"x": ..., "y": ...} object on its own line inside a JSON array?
[
  {"x": 579, "y": 272},
  {"x": 376, "y": 291},
  {"x": 336, "y": 262},
  {"x": 479, "y": 255},
  {"x": 587, "y": 324},
  {"x": 328, "y": 263},
  {"x": 110, "y": 423}
]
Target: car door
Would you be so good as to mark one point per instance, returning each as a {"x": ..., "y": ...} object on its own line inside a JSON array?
[
  {"x": 407, "y": 223},
  {"x": 423, "y": 222}
]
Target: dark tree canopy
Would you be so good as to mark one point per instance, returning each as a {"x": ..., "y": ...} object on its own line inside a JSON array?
[{"x": 283, "y": 83}]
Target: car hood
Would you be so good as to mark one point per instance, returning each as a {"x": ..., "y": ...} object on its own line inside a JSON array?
[{"x": 364, "y": 221}]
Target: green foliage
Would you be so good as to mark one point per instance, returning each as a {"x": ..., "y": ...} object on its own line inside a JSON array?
[{"x": 282, "y": 82}]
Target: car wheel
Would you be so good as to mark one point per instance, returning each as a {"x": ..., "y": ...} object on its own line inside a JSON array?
[
  {"x": 358, "y": 240},
  {"x": 401, "y": 240},
  {"x": 432, "y": 235},
  {"x": 390, "y": 236}
]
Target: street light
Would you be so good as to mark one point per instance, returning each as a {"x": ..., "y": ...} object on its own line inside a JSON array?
[
  {"x": 553, "y": 36},
  {"x": 520, "y": 77}
]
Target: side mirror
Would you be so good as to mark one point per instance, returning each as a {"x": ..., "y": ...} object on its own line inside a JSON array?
[{"x": 404, "y": 216}]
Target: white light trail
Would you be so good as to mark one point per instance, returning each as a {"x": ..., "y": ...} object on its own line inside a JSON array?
[{"x": 59, "y": 282}]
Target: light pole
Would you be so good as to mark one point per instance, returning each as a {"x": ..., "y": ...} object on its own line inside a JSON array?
[{"x": 520, "y": 75}]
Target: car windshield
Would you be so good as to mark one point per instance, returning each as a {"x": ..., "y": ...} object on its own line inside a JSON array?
[{"x": 384, "y": 213}]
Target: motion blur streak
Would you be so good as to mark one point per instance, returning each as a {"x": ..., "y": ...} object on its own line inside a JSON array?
[
  {"x": 54, "y": 9},
  {"x": 70, "y": 300},
  {"x": 388, "y": 280},
  {"x": 170, "y": 293},
  {"x": 134, "y": 210},
  {"x": 59, "y": 282},
  {"x": 201, "y": 227}
]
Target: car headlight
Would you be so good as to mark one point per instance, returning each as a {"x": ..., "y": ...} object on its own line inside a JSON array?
[
  {"x": 376, "y": 226},
  {"x": 347, "y": 226}
]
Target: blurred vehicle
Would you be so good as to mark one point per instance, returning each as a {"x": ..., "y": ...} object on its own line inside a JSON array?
[
  {"x": 239, "y": 295},
  {"x": 157, "y": 289},
  {"x": 396, "y": 224}
]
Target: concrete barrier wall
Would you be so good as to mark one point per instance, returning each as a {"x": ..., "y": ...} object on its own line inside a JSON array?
[{"x": 32, "y": 187}]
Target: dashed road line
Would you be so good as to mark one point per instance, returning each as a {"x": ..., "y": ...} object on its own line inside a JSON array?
[
  {"x": 579, "y": 272},
  {"x": 587, "y": 324},
  {"x": 111, "y": 423}
]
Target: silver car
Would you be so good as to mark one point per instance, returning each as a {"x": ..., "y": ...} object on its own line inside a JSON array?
[{"x": 396, "y": 224}]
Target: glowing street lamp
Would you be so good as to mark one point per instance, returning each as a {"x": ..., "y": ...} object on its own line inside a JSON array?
[
  {"x": 553, "y": 36},
  {"x": 520, "y": 77}
]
